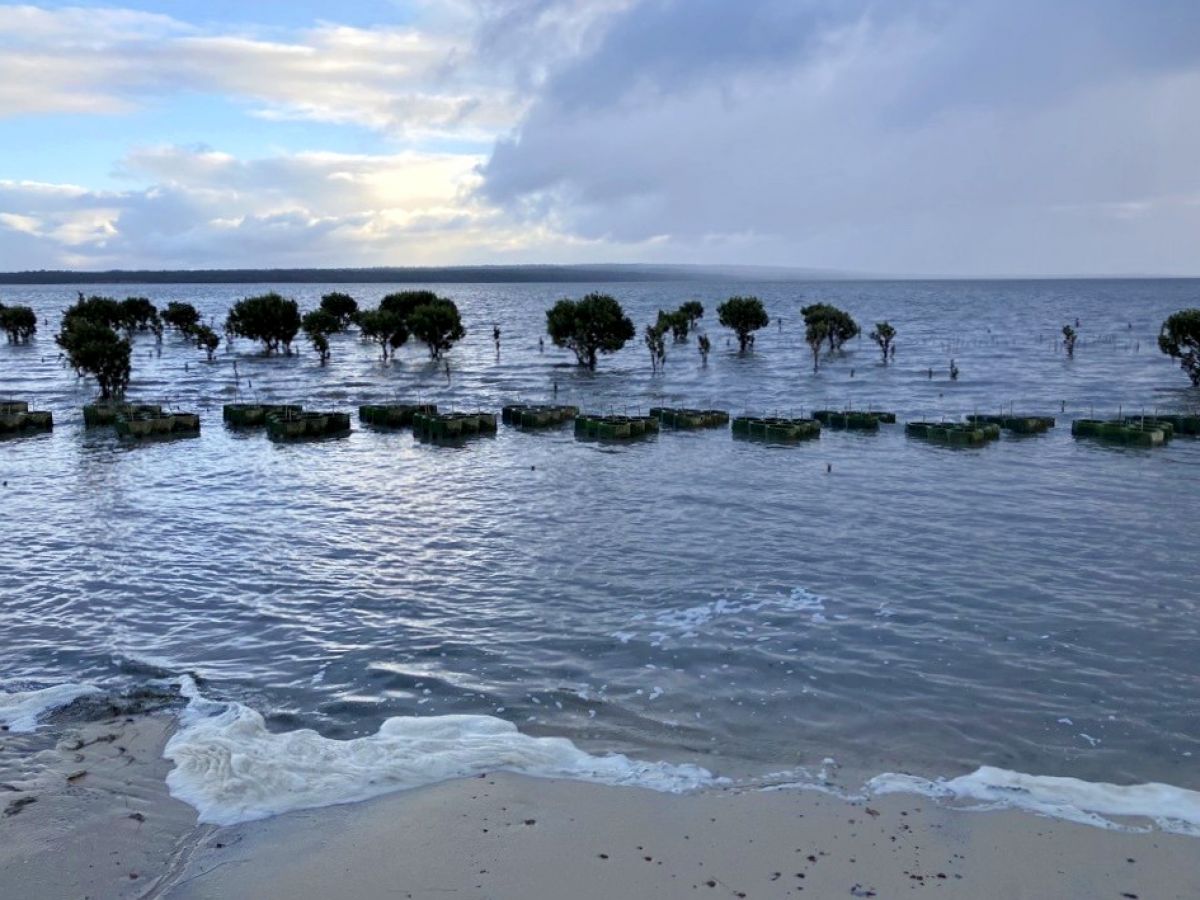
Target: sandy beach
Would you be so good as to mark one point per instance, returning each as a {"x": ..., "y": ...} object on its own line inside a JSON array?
[{"x": 114, "y": 831}]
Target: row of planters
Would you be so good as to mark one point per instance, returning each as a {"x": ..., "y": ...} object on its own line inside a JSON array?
[
  {"x": 1137, "y": 431},
  {"x": 141, "y": 420},
  {"x": 17, "y": 418},
  {"x": 286, "y": 422}
]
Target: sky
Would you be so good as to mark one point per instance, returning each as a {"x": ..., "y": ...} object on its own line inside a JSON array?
[{"x": 897, "y": 137}]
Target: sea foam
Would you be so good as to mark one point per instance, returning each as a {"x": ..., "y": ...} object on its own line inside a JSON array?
[
  {"x": 232, "y": 769},
  {"x": 1171, "y": 808},
  {"x": 21, "y": 710}
]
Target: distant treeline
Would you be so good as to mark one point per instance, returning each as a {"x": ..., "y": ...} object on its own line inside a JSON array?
[{"x": 409, "y": 275}]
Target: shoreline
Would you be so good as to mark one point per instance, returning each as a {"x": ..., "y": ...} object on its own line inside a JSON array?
[{"x": 101, "y": 823}]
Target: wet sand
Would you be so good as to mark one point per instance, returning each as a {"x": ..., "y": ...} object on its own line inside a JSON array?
[
  {"x": 509, "y": 836},
  {"x": 113, "y": 831},
  {"x": 84, "y": 811}
]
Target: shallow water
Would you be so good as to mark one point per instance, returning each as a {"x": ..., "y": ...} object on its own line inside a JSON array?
[{"x": 1031, "y": 605}]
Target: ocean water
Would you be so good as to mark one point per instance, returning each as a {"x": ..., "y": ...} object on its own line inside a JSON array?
[{"x": 688, "y": 600}]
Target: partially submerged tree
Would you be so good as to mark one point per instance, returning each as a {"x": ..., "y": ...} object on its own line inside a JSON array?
[
  {"x": 693, "y": 310},
  {"x": 883, "y": 335},
  {"x": 816, "y": 333},
  {"x": 342, "y": 307},
  {"x": 100, "y": 310},
  {"x": 269, "y": 318},
  {"x": 18, "y": 322},
  {"x": 1069, "y": 337},
  {"x": 384, "y": 327},
  {"x": 318, "y": 325},
  {"x": 206, "y": 339},
  {"x": 595, "y": 324},
  {"x": 744, "y": 315},
  {"x": 1179, "y": 338},
  {"x": 139, "y": 314},
  {"x": 838, "y": 325},
  {"x": 94, "y": 348},
  {"x": 183, "y": 317},
  {"x": 654, "y": 336},
  {"x": 404, "y": 302},
  {"x": 675, "y": 322},
  {"x": 437, "y": 324}
]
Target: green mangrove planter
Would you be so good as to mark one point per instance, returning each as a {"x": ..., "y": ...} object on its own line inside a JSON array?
[
  {"x": 254, "y": 415},
  {"x": 157, "y": 425},
  {"x": 290, "y": 426},
  {"x": 537, "y": 415},
  {"x": 16, "y": 418},
  {"x": 1117, "y": 431},
  {"x": 453, "y": 426},
  {"x": 1014, "y": 423},
  {"x": 690, "y": 418},
  {"x": 106, "y": 413},
  {"x": 847, "y": 419},
  {"x": 776, "y": 428},
  {"x": 394, "y": 415},
  {"x": 615, "y": 428},
  {"x": 955, "y": 434}
]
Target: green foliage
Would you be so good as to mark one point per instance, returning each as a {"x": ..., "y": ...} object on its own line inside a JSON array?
[
  {"x": 404, "y": 302},
  {"x": 100, "y": 310},
  {"x": 744, "y": 315},
  {"x": 318, "y": 324},
  {"x": 693, "y": 310},
  {"x": 595, "y": 324},
  {"x": 653, "y": 336},
  {"x": 139, "y": 314},
  {"x": 675, "y": 322},
  {"x": 883, "y": 335},
  {"x": 385, "y": 327},
  {"x": 1069, "y": 337},
  {"x": 18, "y": 322},
  {"x": 1180, "y": 339},
  {"x": 342, "y": 307},
  {"x": 269, "y": 318},
  {"x": 206, "y": 339},
  {"x": 437, "y": 324},
  {"x": 183, "y": 317},
  {"x": 94, "y": 348},
  {"x": 838, "y": 325},
  {"x": 816, "y": 332}
]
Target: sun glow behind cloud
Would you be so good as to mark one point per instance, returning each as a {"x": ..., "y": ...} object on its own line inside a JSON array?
[{"x": 981, "y": 137}]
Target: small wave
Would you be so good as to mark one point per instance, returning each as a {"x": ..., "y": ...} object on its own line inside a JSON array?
[
  {"x": 232, "y": 769},
  {"x": 1171, "y": 808},
  {"x": 689, "y": 621},
  {"x": 21, "y": 710}
]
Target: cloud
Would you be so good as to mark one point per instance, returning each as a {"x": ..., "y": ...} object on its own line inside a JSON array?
[
  {"x": 406, "y": 81},
  {"x": 906, "y": 137},
  {"x": 205, "y": 208}
]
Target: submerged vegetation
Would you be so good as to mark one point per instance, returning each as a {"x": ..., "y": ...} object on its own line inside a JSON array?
[
  {"x": 92, "y": 346},
  {"x": 1179, "y": 338},
  {"x": 744, "y": 316},
  {"x": 595, "y": 324},
  {"x": 18, "y": 322},
  {"x": 883, "y": 335},
  {"x": 269, "y": 318}
]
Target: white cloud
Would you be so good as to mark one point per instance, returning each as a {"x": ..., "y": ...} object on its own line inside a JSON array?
[{"x": 210, "y": 209}]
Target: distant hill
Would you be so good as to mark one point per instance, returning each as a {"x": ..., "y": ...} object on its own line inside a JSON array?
[{"x": 423, "y": 274}]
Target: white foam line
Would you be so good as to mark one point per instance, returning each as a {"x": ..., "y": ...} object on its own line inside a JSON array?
[
  {"x": 232, "y": 769},
  {"x": 21, "y": 710},
  {"x": 1171, "y": 808}
]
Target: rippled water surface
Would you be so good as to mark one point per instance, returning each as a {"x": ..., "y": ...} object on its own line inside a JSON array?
[{"x": 1033, "y": 604}]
